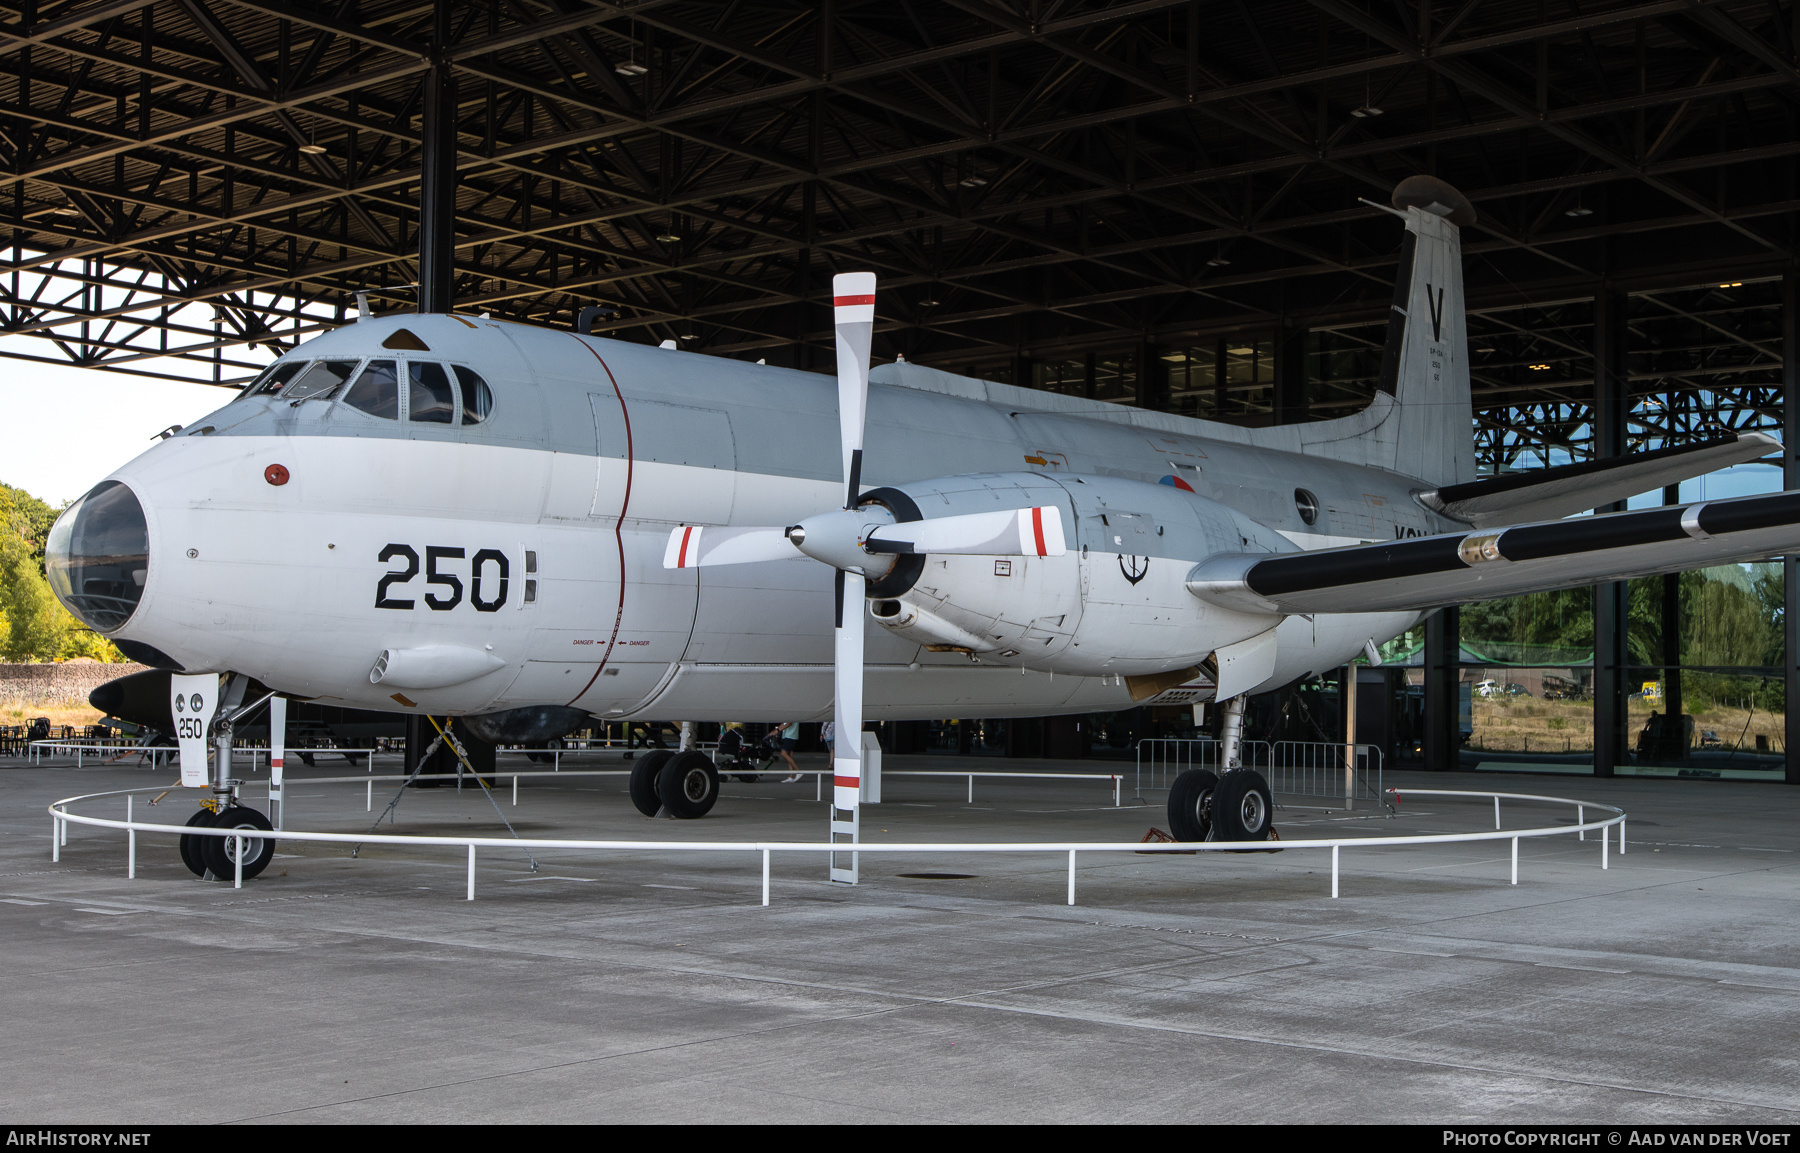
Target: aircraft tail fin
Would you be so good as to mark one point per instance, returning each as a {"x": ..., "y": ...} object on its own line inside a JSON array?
[{"x": 1425, "y": 362}]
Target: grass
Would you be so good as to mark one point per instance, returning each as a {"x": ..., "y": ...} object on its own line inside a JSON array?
[
  {"x": 1524, "y": 724},
  {"x": 22, "y": 710}
]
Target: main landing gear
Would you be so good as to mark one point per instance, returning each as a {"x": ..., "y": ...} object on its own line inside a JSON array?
[
  {"x": 681, "y": 784},
  {"x": 1237, "y": 806}
]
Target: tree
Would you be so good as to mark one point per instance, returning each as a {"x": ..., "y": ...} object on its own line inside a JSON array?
[{"x": 33, "y": 624}]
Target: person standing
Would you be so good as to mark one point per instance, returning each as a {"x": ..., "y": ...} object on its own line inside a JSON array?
[{"x": 790, "y": 740}]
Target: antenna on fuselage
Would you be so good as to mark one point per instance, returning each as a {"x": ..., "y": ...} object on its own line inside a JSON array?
[{"x": 362, "y": 304}]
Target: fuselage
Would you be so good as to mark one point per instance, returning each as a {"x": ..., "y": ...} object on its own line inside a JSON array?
[{"x": 512, "y": 516}]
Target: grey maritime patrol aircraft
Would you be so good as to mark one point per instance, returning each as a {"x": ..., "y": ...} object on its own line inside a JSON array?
[{"x": 531, "y": 528}]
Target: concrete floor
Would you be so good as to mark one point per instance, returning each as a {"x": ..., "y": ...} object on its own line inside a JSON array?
[{"x": 655, "y": 988}]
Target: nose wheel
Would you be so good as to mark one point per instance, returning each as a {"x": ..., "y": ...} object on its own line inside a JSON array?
[
  {"x": 221, "y": 854},
  {"x": 190, "y": 845},
  {"x": 215, "y": 858}
]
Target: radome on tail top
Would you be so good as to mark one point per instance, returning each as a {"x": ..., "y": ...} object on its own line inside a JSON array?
[{"x": 444, "y": 515}]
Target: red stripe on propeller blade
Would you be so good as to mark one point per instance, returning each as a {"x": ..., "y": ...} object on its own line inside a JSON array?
[
  {"x": 847, "y": 301},
  {"x": 687, "y": 534},
  {"x": 1037, "y": 526}
]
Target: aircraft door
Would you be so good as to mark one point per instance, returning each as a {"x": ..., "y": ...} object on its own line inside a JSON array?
[{"x": 611, "y": 622}]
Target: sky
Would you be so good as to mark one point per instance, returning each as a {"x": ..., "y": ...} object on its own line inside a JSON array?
[{"x": 67, "y": 428}]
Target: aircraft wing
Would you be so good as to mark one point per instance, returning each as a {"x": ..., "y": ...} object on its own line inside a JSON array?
[
  {"x": 1429, "y": 572},
  {"x": 1548, "y": 493}
]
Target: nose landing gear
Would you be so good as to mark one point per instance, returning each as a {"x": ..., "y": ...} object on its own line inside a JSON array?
[{"x": 217, "y": 858}]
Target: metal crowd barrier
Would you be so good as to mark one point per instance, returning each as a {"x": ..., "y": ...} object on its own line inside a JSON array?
[{"x": 1309, "y": 769}]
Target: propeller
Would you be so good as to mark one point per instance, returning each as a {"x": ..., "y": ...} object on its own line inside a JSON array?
[{"x": 853, "y": 540}]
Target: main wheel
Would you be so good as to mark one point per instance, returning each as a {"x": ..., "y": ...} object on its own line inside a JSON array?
[
  {"x": 1190, "y": 804},
  {"x": 1242, "y": 808},
  {"x": 644, "y": 772},
  {"x": 190, "y": 845},
  {"x": 688, "y": 784},
  {"x": 220, "y": 853}
]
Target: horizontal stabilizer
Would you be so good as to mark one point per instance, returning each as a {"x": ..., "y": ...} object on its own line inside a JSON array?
[
  {"x": 692, "y": 545},
  {"x": 1018, "y": 532},
  {"x": 1550, "y": 493},
  {"x": 1428, "y": 572}
]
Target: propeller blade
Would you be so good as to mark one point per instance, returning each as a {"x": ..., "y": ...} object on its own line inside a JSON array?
[
  {"x": 692, "y": 545},
  {"x": 853, "y": 314},
  {"x": 847, "y": 709},
  {"x": 1017, "y": 532}
]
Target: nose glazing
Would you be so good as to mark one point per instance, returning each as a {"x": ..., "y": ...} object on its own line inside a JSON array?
[{"x": 98, "y": 556}]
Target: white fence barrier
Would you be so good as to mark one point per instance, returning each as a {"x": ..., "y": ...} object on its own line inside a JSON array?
[{"x": 61, "y": 817}]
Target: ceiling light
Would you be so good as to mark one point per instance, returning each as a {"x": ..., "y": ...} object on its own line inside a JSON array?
[
  {"x": 1733, "y": 284},
  {"x": 630, "y": 68},
  {"x": 313, "y": 148},
  {"x": 927, "y": 304},
  {"x": 1365, "y": 111},
  {"x": 688, "y": 336},
  {"x": 972, "y": 182},
  {"x": 1540, "y": 368},
  {"x": 71, "y": 210},
  {"x": 1245, "y": 351},
  {"x": 1176, "y": 358},
  {"x": 1578, "y": 210},
  {"x": 1217, "y": 262},
  {"x": 667, "y": 237}
]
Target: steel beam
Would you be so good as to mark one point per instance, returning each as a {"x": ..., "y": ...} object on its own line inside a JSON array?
[
  {"x": 1612, "y": 401},
  {"x": 1790, "y": 479},
  {"x": 437, "y": 173}
]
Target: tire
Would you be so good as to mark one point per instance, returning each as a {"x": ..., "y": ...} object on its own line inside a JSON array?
[
  {"x": 216, "y": 851},
  {"x": 1242, "y": 808},
  {"x": 688, "y": 785},
  {"x": 644, "y": 772},
  {"x": 1190, "y": 804},
  {"x": 747, "y": 778},
  {"x": 190, "y": 846}
]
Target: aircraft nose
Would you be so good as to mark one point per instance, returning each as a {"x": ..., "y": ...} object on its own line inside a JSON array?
[{"x": 98, "y": 556}]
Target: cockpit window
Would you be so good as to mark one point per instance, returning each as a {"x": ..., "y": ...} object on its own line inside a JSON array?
[
  {"x": 428, "y": 398},
  {"x": 321, "y": 381},
  {"x": 376, "y": 391},
  {"x": 477, "y": 399},
  {"x": 274, "y": 377}
]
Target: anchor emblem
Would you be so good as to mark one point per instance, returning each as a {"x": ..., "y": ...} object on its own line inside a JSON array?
[{"x": 1136, "y": 570}]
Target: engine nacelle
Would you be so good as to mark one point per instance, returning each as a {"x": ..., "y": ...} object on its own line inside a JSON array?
[{"x": 1116, "y": 602}]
